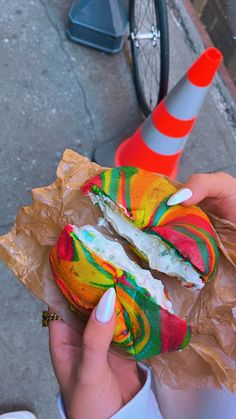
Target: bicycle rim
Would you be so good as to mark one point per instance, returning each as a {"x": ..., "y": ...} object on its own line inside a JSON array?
[{"x": 149, "y": 38}]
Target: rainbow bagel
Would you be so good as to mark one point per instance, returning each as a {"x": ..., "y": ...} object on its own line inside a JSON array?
[
  {"x": 179, "y": 241},
  {"x": 82, "y": 268}
]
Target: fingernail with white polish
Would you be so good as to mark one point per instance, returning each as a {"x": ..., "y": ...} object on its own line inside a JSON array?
[
  {"x": 105, "y": 307},
  {"x": 180, "y": 196}
]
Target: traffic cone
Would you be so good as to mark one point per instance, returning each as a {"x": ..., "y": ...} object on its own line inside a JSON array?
[{"x": 158, "y": 144}]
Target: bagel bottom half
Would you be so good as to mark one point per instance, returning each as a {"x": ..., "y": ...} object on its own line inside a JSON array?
[{"x": 85, "y": 264}]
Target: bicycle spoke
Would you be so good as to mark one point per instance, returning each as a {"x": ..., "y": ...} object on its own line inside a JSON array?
[
  {"x": 141, "y": 21},
  {"x": 151, "y": 79},
  {"x": 150, "y": 86},
  {"x": 151, "y": 13},
  {"x": 144, "y": 45},
  {"x": 148, "y": 71},
  {"x": 148, "y": 60},
  {"x": 147, "y": 68},
  {"x": 140, "y": 7},
  {"x": 156, "y": 65},
  {"x": 154, "y": 79},
  {"x": 147, "y": 45}
]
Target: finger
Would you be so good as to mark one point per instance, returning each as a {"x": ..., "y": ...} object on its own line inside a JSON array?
[
  {"x": 97, "y": 338},
  {"x": 63, "y": 340},
  {"x": 201, "y": 186},
  {"x": 61, "y": 333},
  {"x": 64, "y": 345}
]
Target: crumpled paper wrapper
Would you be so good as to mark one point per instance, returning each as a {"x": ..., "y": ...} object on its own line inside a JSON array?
[{"x": 210, "y": 359}]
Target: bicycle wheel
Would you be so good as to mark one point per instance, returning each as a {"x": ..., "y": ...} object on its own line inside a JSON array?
[{"x": 149, "y": 38}]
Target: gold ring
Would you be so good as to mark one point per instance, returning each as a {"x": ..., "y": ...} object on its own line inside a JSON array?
[{"x": 46, "y": 317}]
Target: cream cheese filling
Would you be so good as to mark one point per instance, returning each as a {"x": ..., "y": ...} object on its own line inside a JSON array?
[
  {"x": 113, "y": 252},
  {"x": 160, "y": 256}
]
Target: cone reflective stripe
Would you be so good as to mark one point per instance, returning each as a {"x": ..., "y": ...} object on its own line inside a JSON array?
[
  {"x": 165, "y": 145},
  {"x": 158, "y": 144},
  {"x": 177, "y": 102}
]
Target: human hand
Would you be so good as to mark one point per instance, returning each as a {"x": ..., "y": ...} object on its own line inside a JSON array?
[
  {"x": 94, "y": 382},
  {"x": 216, "y": 191}
]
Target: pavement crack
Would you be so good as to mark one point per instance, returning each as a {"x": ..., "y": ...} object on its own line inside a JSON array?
[
  {"x": 89, "y": 113},
  {"x": 226, "y": 107},
  {"x": 44, "y": 5},
  {"x": 74, "y": 72},
  {"x": 173, "y": 7}
]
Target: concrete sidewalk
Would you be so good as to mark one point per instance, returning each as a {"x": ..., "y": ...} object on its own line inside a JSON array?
[{"x": 57, "y": 95}]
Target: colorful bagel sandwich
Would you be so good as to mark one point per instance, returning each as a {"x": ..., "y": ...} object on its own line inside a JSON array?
[
  {"x": 179, "y": 241},
  {"x": 85, "y": 264}
]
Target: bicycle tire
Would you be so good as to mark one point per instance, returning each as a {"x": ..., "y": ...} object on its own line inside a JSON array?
[{"x": 161, "y": 18}]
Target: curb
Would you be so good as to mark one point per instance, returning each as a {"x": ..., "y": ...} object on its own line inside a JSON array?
[{"x": 224, "y": 74}]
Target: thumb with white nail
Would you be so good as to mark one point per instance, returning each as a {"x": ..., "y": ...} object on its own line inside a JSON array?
[
  {"x": 216, "y": 192},
  {"x": 94, "y": 383}
]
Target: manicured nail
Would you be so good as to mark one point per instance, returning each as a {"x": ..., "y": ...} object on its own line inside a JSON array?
[
  {"x": 105, "y": 307},
  {"x": 180, "y": 196}
]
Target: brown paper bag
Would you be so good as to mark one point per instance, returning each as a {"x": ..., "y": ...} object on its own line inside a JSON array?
[{"x": 210, "y": 359}]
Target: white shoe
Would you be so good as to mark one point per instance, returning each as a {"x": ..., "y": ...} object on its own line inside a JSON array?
[{"x": 18, "y": 415}]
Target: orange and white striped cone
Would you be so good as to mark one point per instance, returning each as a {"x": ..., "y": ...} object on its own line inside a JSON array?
[{"x": 158, "y": 144}]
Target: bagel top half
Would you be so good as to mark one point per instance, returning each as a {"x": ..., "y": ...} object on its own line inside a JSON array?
[{"x": 179, "y": 241}]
